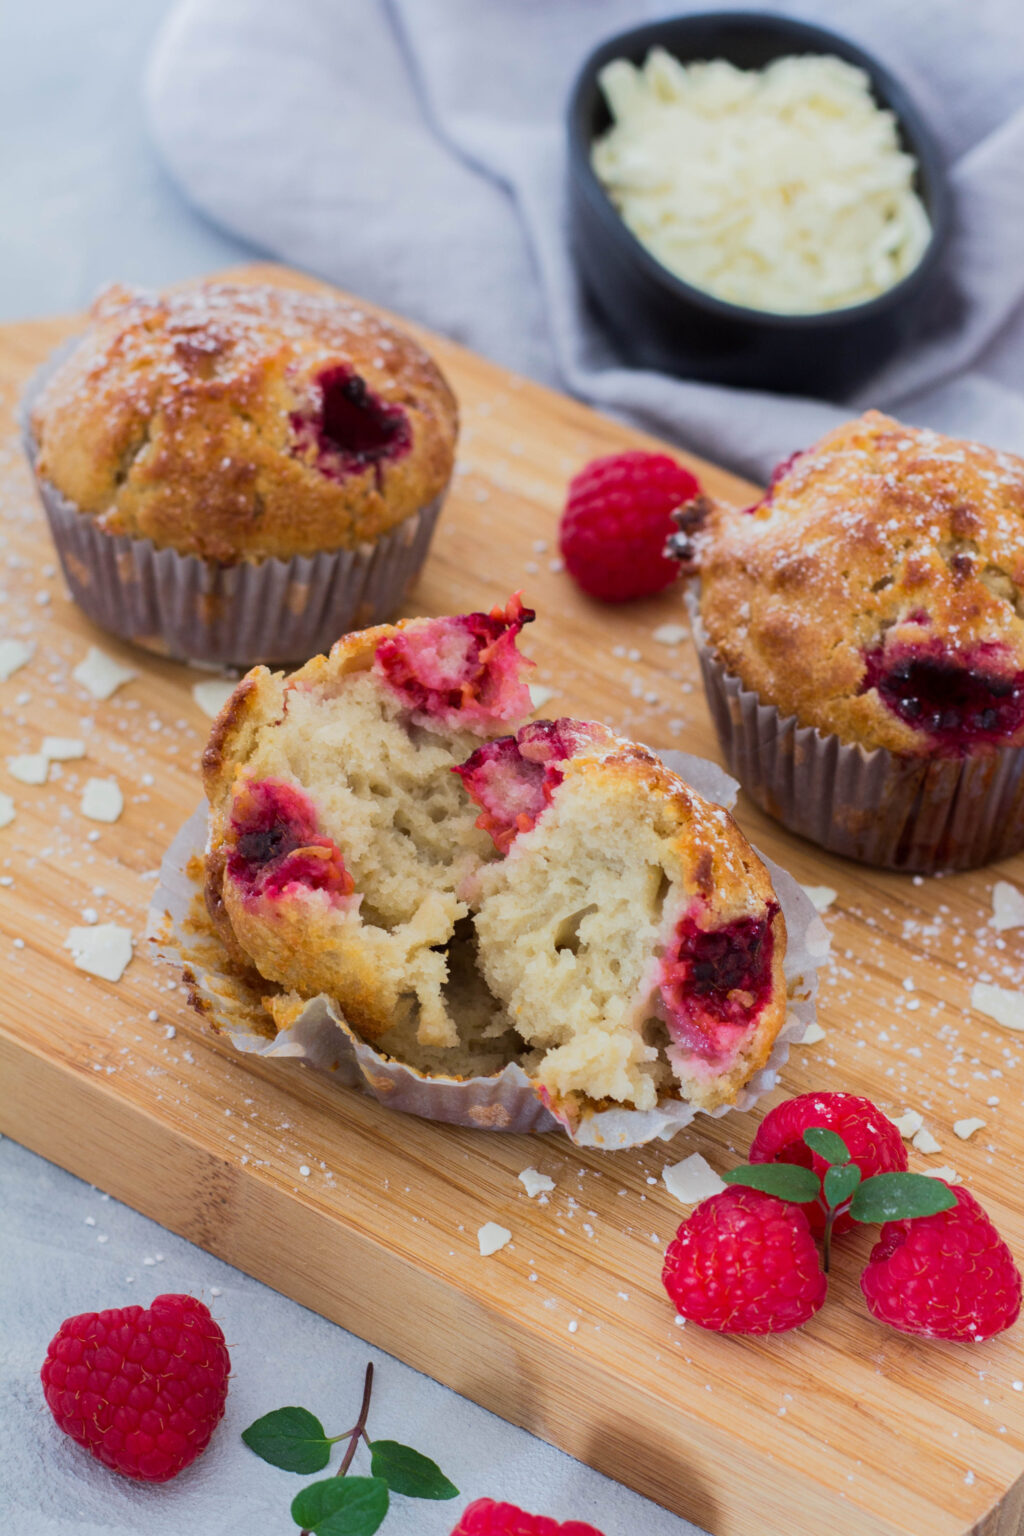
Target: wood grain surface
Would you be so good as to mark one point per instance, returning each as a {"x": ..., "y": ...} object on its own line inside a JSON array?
[{"x": 844, "y": 1426}]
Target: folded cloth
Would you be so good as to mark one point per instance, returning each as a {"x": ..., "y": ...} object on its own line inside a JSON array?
[{"x": 413, "y": 152}]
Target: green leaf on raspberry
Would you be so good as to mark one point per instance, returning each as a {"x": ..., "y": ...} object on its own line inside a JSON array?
[
  {"x": 407, "y": 1471},
  {"x": 840, "y": 1182},
  {"x": 292, "y": 1438},
  {"x": 351, "y": 1506},
  {"x": 827, "y": 1144},
  {"x": 900, "y": 1197},
  {"x": 786, "y": 1180}
]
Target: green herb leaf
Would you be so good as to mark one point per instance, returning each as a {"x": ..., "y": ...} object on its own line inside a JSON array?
[
  {"x": 786, "y": 1180},
  {"x": 840, "y": 1182},
  {"x": 406, "y": 1471},
  {"x": 827, "y": 1144},
  {"x": 898, "y": 1196},
  {"x": 291, "y": 1438},
  {"x": 342, "y": 1506}
]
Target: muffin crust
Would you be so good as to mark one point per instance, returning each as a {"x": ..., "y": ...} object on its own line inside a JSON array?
[
  {"x": 877, "y": 589},
  {"x": 237, "y": 422}
]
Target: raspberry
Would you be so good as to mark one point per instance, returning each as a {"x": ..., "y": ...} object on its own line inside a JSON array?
[
  {"x": 486, "y": 1518},
  {"x": 617, "y": 522},
  {"x": 745, "y": 1262},
  {"x": 141, "y": 1388},
  {"x": 875, "y": 1144},
  {"x": 949, "y": 1276}
]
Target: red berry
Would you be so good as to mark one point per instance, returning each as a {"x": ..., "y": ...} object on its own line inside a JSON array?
[
  {"x": 948, "y": 1276},
  {"x": 486, "y": 1518},
  {"x": 617, "y": 520},
  {"x": 875, "y": 1144},
  {"x": 141, "y": 1388},
  {"x": 745, "y": 1262}
]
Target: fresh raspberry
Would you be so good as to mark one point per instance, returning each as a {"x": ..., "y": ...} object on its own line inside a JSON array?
[
  {"x": 486, "y": 1518},
  {"x": 875, "y": 1144},
  {"x": 141, "y": 1388},
  {"x": 617, "y": 522},
  {"x": 948, "y": 1276},
  {"x": 745, "y": 1262}
]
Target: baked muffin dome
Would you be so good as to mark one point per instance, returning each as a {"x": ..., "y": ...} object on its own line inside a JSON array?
[
  {"x": 237, "y": 423},
  {"x": 374, "y": 837},
  {"x": 876, "y": 591}
]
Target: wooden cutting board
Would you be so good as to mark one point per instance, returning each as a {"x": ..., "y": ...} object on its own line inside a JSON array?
[{"x": 370, "y": 1217}]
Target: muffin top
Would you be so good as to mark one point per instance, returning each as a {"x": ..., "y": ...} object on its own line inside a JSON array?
[
  {"x": 235, "y": 422},
  {"x": 875, "y": 591}
]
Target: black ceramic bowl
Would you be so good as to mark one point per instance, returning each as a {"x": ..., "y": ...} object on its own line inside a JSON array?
[{"x": 662, "y": 322}]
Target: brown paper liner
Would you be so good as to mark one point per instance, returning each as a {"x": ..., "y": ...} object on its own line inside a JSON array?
[
  {"x": 232, "y": 616},
  {"x": 505, "y": 1101},
  {"x": 916, "y": 814}
]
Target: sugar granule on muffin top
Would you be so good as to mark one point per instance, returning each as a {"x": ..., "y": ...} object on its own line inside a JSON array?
[
  {"x": 472, "y": 890},
  {"x": 236, "y": 422},
  {"x": 876, "y": 591}
]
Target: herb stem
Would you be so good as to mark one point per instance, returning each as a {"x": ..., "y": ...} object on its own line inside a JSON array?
[
  {"x": 358, "y": 1430},
  {"x": 827, "y": 1244}
]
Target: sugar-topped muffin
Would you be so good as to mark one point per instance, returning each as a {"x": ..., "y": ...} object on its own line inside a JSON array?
[
  {"x": 379, "y": 836},
  {"x": 246, "y": 428},
  {"x": 236, "y": 423},
  {"x": 876, "y": 589},
  {"x": 874, "y": 594}
]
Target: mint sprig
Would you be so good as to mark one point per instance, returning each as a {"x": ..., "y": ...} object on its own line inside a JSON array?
[
  {"x": 882, "y": 1197},
  {"x": 294, "y": 1439}
]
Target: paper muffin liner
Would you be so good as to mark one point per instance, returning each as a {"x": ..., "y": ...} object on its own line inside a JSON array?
[
  {"x": 229, "y": 616},
  {"x": 504, "y": 1101},
  {"x": 915, "y": 814}
]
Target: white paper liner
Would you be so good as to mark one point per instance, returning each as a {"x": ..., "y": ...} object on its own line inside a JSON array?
[
  {"x": 914, "y": 814},
  {"x": 505, "y": 1101},
  {"x": 230, "y": 616}
]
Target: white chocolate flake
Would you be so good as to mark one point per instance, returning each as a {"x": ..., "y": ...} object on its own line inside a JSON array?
[
  {"x": 212, "y": 695},
  {"x": 102, "y": 800},
  {"x": 925, "y": 1142},
  {"x": 540, "y": 695},
  {"x": 6, "y": 810},
  {"x": 670, "y": 634},
  {"x": 14, "y": 654},
  {"x": 1007, "y": 906},
  {"x": 535, "y": 1183},
  {"x": 692, "y": 1180},
  {"x": 909, "y": 1123},
  {"x": 821, "y": 897},
  {"x": 62, "y": 749},
  {"x": 104, "y": 951},
  {"x": 998, "y": 1003},
  {"x": 811, "y": 1035},
  {"x": 491, "y": 1238},
  {"x": 100, "y": 675},
  {"x": 29, "y": 768},
  {"x": 965, "y": 1129}
]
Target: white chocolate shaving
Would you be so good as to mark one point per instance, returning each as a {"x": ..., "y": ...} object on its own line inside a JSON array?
[
  {"x": 102, "y": 800},
  {"x": 100, "y": 675},
  {"x": 692, "y": 1180},
  {"x": 491, "y": 1238},
  {"x": 104, "y": 951}
]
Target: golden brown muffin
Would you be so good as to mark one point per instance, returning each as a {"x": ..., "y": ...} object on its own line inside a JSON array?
[
  {"x": 374, "y": 839},
  {"x": 237, "y": 423},
  {"x": 876, "y": 591}
]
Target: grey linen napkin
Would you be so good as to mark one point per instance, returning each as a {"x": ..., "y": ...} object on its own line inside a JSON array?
[{"x": 413, "y": 152}]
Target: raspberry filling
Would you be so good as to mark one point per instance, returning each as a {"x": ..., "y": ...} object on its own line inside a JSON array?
[
  {"x": 959, "y": 699},
  {"x": 353, "y": 428},
  {"x": 513, "y": 779},
  {"x": 462, "y": 672},
  {"x": 277, "y": 846},
  {"x": 715, "y": 981}
]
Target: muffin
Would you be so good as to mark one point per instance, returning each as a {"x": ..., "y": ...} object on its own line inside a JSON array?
[
  {"x": 237, "y": 473},
  {"x": 863, "y": 631},
  {"x": 379, "y": 837}
]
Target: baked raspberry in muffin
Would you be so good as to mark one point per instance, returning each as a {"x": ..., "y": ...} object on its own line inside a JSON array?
[
  {"x": 873, "y": 595},
  {"x": 243, "y": 427},
  {"x": 340, "y": 837},
  {"x": 471, "y": 895}
]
